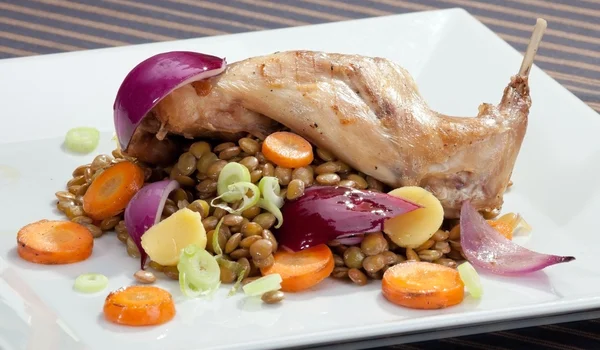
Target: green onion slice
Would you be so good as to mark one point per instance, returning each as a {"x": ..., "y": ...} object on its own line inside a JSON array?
[
  {"x": 90, "y": 283},
  {"x": 82, "y": 139},
  {"x": 215, "y": 239},
  {"x": 239, "y": 190},
  {"x": 470, "y": 278},
  {"x": 262, "y": 285},
  {"x": 269, "y": 188},
  {"x": 199, "y": 272},
  {"x": 273, "y": 209},
  {"x": 230, "y": 174}
]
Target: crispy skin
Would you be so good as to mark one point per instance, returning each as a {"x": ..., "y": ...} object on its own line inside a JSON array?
[{"x": 368, "y": 113}]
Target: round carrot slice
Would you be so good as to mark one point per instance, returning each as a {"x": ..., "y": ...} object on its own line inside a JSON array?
[
  {"x": 111, "y": 191},
  {"x": 139, "y": 306},
  {"x": 302, "y": 270},
  {"x": 54, "y": 242},
  {"x": 422, "y": 285},
  {"x": 287, "y": 150}
]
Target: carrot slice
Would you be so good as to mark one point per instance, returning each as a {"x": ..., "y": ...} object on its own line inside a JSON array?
[
  {"x": 139, "y": 306},
  {"x": 422, "y": 285},
  {"x": 54, "y": 242},
  {"x": 504, "y": 228},
  {"x": 302, "y": 270},
  {"x": 287, "y": 150},
  {"x": 110, "y": 192}
]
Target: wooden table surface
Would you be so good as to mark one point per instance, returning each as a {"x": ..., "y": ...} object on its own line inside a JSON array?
[{"x": 570, "y": 53}]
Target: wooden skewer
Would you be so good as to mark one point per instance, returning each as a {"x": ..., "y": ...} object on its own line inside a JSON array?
[{"x": 532, "y": 48}]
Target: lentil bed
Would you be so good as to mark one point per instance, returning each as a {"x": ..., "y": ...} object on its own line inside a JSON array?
[{"x": 247, "y": 238}]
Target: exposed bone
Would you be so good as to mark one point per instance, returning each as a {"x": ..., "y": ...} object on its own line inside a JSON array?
[{"x": 532, "y": 48}]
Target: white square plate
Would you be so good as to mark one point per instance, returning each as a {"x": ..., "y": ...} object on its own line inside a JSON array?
[{"x": 458, "y": 64}]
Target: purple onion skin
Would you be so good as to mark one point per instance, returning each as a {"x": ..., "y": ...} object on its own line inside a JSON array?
[
  {"x": 324, "y": 213},
  {"x": 144, "y": 209},
  {"x": 153, "y": 79},
  {"x": 487, "y": 249}
]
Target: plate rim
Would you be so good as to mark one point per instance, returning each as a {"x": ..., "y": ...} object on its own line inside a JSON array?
[{"x": 349, "y": 334}]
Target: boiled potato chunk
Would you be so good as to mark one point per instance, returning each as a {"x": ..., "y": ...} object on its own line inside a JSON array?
[
  {"x": 412, "y": 229},
  {"x": 163, "y": 242}
]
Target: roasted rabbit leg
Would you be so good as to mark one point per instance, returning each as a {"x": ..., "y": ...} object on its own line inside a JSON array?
[{"x": 368, "y": 113}]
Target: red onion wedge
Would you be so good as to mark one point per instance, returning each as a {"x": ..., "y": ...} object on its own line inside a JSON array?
[
  {"x": 153, "y": 79},
  {"x": 145, "y": 210},
  {"x": 350, "y": 239},
  {"x": 487, "y": 249},
  {"x": 325, "y": 213}
]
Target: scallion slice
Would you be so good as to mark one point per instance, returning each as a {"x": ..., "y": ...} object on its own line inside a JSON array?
[
  {"x": 262, "y": 285},
  {"x": 199, "y": 272},
  {"x": 82, "y": 139},
  {"x": 230, "y": 174},
  {"x": 470, "y": 277},
  {"x": 269, "y": 189},
  {"x": 215, "y": 239},
  {"x": 239, "y": 190},
  {"x": 90, "y": 283}
]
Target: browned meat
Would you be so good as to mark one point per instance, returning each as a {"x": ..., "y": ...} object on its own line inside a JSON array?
[{"x": 369, "y": 113}]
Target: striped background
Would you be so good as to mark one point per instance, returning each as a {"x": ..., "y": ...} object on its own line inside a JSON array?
[
  {"x": 571, "y": 46},
  {"x": 571, "y": 54}
]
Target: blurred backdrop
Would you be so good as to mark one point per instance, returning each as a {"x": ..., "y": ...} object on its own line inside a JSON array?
[{"x": 570, "y": 49}]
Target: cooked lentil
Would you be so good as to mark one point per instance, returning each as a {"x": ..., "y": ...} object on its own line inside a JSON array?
[
  {"x": 347, "y": 183},
  {"x": 245, "y": 264},
  {"x": 411, "y": 255},
  {"x": 338, "y": 260},
  {"x": 340, "y": 272},
  {"x": 83, "y": 220},
  {"x": 360, "y": 181},
  {"x": 132, "y": 249},
  {"x": 426, "y": 245},
  {"x": 329, "y": 179},
  {"x": 261, "y": 249},
  {"x": 353, "y": 257},
  {"x": 374, "y": 243},
  {"x": 240, "y": 253},
  {"x": 144, "y": 276},
  {"x": 357, "y": 276},
  {"x": 230, "y": 152},
  {"x": 442, "y": 247},
  {"x": 265, "y": 220},
  {"x": 295, "y": 189},
  {"x": 430, "y": 255},
  {"x": 273, "y": 297},
  {"x": 198, "y": 149},
  {"x": 251, "y": 229},
  {"x": 249, "y": 145},
  {"x": 266, "y": 262},
  {"x": 172, "y": 272},
  {"x": 284, "y": 175},
  {"x": 227, "y": 274},
  {"x": 233, "y": 242},
  {"x": 325, "y": 155},
  {"x": 440, "y": 236},
  {"x": 267, "y": 234},
  {"x": 248, "y": 241},
  {"x": 95, "y": 230},
  {"x": 374, "y": 263}
]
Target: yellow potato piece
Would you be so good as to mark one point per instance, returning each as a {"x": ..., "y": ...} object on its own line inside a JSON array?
[
  {"x": 163, "y": 242},
  {"x": 412, "y": 229}
]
